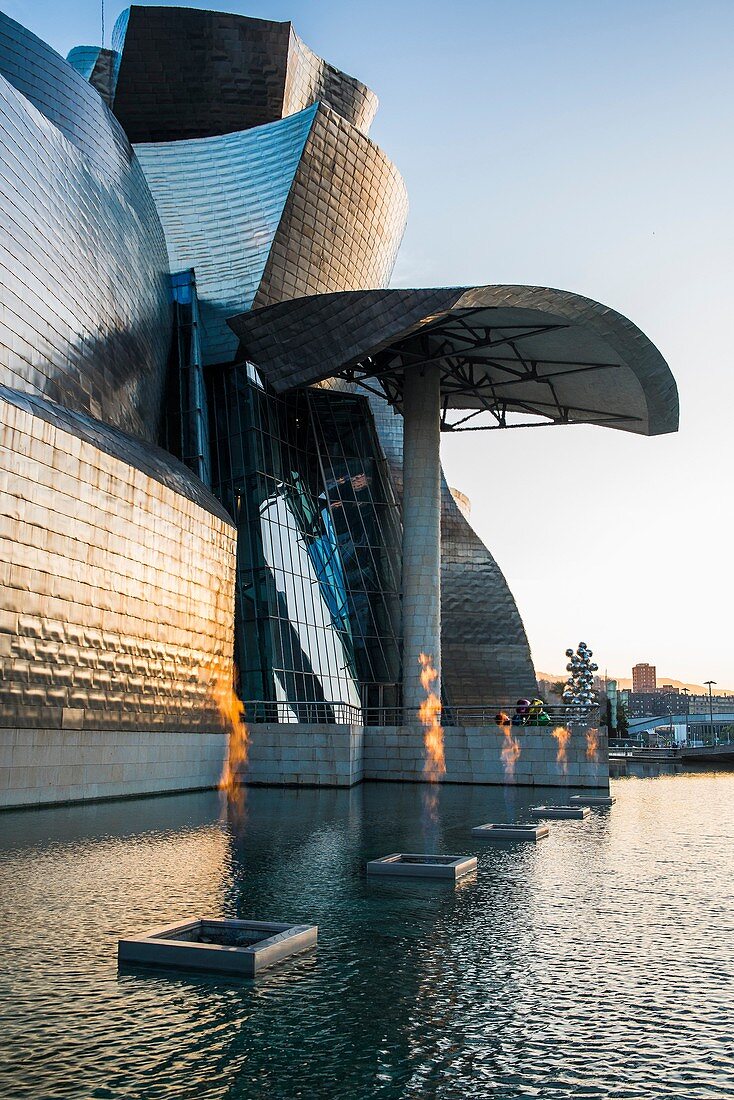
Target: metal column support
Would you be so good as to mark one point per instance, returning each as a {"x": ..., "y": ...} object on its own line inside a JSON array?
[{"x": 421, "y": 529}]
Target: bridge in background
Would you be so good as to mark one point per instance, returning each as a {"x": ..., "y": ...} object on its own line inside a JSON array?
[{"x": 696, "y": 736}]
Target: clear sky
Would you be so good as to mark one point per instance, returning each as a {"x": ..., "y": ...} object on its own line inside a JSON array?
[{"x": 586, "y": 146}]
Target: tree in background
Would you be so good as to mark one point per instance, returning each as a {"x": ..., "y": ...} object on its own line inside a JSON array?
[{"x": 623, "y": 726}]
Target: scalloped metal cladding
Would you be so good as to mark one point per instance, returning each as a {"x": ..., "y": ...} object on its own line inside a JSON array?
[
  {"x": 84, "y": 295},
  {"x": 198, "y": 73},
  {"x": 196, "y": 287},
  {"x": 117, "y": 582}
]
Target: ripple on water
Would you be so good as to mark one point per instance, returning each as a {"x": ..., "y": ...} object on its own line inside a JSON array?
[{"x": 595, "y": 964}]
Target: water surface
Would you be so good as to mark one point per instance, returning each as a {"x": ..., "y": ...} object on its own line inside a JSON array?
[{"x": 595, "y": 964}]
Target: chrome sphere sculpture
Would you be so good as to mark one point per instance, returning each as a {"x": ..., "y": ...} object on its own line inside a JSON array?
[{"x": 578, "y": 694}]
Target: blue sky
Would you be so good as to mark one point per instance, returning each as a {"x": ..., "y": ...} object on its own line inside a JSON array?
[{"x": 586, "y": 146}]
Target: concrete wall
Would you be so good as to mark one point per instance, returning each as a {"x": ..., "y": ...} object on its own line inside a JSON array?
[
  {"x": 42, "y": 766},
  {"x": 344, "y": 755},
  {"x": 474, "y": 755},
  {"x": 305, "y": 755}
]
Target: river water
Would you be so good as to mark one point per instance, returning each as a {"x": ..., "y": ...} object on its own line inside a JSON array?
[{"x": 597, "y": 963}]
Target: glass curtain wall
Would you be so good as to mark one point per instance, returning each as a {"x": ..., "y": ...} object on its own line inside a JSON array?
[{"x": 318, "y": 534}]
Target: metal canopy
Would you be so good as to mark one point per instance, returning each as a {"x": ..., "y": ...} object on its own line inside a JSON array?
[{"x": 509, "y": 356}]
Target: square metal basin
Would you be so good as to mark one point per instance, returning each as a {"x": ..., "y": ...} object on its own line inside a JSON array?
[
  {"x": 510, "y": 832},
  {"x": 573, "y": 812},
  {"x": 241, "y": 948},
  {"x": 595, "y": 800},
  {"x": 416, "y": 865}
]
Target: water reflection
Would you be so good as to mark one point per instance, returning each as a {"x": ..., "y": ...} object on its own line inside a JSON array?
[{"x": 593, "y": 963}]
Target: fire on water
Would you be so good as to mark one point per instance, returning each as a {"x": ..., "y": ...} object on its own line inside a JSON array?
[
  {"x": 510, "y": 751},
  {"x": 429, "y": 713},
  {"x": 562, "y": 736},
  {"x": 232, "y": 713}
]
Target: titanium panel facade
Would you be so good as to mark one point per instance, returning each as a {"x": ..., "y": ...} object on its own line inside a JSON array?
[
  {"x": 310, "y": 79},
  {"x": 220, "y": 201},
  {"x": 119, "y": 566},
  {"x": 300, "y": 206},
  {"x": 85, "y": 310},
  {"x": 97, "y": 66},
  {"x": 184, "y": 73},
  {"x": 577, "y": 356},
  {"x": 344, "y": 220},
  {"x": 116, "y": 582}
]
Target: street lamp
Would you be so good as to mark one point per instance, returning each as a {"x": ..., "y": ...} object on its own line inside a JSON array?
[
  {"x": 711, "y": 708},
  {"x": 686, "y": 692}
]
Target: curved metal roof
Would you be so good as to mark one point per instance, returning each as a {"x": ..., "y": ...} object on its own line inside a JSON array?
[{"x": 518, "y": 352}]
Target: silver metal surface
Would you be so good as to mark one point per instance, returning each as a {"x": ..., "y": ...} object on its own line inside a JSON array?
[
  {"x": 190, "y": 74},
  {"x": 241, "y": 210},
  {"x": 116, "y": 581},
  {"x": 84, "y": 298},
  {"x": 532, "y": 352}
]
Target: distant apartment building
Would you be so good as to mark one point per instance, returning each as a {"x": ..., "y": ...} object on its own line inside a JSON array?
[
  {"x": 644, "y": 678},
  {"x": 668, "y": 689}
]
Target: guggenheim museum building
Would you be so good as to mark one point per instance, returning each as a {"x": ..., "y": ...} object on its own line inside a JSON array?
[{"x": 219, "y": 426}]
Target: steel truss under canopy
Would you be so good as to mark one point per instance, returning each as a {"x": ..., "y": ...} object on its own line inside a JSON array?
[
  {"x": 508, "y": 356},
  {"x": 479, "y": 366}
]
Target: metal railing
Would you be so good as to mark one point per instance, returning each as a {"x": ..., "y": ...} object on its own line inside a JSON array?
[{"x": 477, "y": 714}]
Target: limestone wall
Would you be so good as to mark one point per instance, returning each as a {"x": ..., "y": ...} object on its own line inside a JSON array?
[
  {"x": 42, "y": 766},
  {"x": 331, "y": 755},
  {"x": 474, "y": 755},
  {"x": 306, "y": 755}
]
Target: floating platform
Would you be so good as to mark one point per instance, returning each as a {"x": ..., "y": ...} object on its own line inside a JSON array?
[
  {"x": 598, "y": 800},
  {"x": 571, "y": 812},
  {"x": 510, "y": 832},
  {"x": 418, "y": 865},
  {"x": 240, "y": 948}
]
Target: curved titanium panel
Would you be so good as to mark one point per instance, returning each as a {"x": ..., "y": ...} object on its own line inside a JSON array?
[
  {"x": 65, "y": 98},
  {"x": 152, "y": 461},
  {"x": 220, "y": 200},
  {"x": 185, "y": 73},
  {"x": 84, "y": 289},
  {"x": 97, "y": 66},
  {"x": 240, "y": 209},
  {"x": 344, "y": 220},
  {"x": 310, "y": 79},
  {"x": 575, "y": 353},
  {"x": 116, "y": 594},
  {"x": 485, "y": 653}
]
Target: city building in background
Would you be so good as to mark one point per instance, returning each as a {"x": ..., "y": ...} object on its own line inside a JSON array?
[
  {"x": 644, "y": 678},
  {"x": 204, "y": 386}
]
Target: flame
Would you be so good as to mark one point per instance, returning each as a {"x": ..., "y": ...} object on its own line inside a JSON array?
[
  {"x": 592, "y": 745},
  {"x": 562, "y": 736},
  {"x": 232, "y": 712},
  {"x": 510, "y": 751},
  {"x": 429, "y": 713}
]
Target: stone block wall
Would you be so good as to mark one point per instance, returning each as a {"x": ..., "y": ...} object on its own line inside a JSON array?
[
  {"x": 328, "y": 755},
  {"x": 305, "y": 755},
  {"x": 474, "y": 755},
  {"x": 45, "y": 766}
]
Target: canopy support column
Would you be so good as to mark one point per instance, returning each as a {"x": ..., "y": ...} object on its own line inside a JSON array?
[{"x": 421, "y": 529}]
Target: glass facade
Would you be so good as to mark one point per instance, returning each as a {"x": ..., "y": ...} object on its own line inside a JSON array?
[{"x": 318, "y": 565}]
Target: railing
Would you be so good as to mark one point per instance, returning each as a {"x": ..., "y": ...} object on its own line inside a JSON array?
[
  {"x": 477, "y": 714},
  {"x": 320, "y": 713}
]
